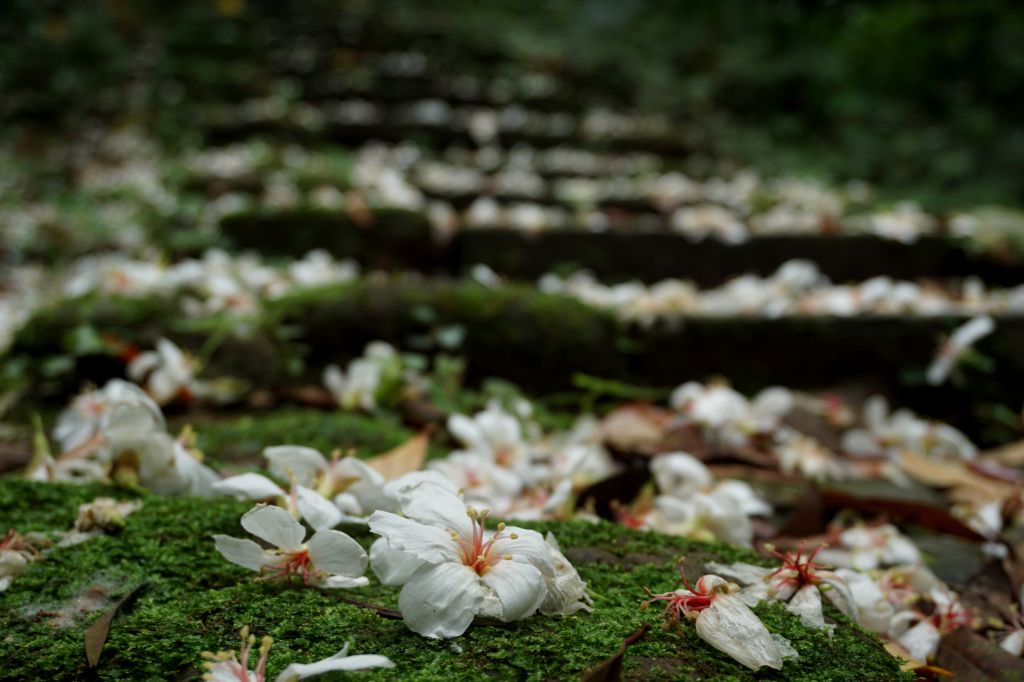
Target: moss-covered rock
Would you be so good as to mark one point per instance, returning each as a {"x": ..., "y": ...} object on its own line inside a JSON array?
[{"x": 192, "y": 600}]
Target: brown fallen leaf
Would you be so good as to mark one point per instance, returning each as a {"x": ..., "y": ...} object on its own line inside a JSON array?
[
  {"x": 964, "y": 482},
  {"x": 908, "y": 511},
  {"x": 406, "y": 458},
  {"x": 610, "y": 669},
  {"x": 973, "y": 658},
  {"x": 313, "y": 396},
  {"x": 636, "y": 428},
  {"x": 96, "y": 635}
]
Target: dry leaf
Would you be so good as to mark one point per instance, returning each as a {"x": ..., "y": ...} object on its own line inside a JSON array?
[
  {"x": 636, "y": 428},
  {"x": 404, "y": 459},
  {"x": 907, "y": 511},
  {"x": 96, "y": 635},
  {"x": 610, "y": 669},
  {"x": 965, "y": 483},
  {"x": 1011, "y": 454},
  {"x": 973, "y": 658}
]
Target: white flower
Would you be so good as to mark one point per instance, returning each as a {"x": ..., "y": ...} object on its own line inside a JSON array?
[
  {"x": 694, "y": 505},
  {"x": 867, "y": 548},
  {"x": 227, "y": 666},
  {"x": 494, "y": 434},
  {"x": 799, "y": 581},
  {"x": 356, "y": 487},
  {"x": 726, "y": 416},
  {"x": 359, "y": 386},
  {"x": 300, "y": 501},
  {"x": 483, "y": 482},
  {"x": 329, "y": 558},
  {"x": 958, "y": 344},
  {"x": 104, "y": 514},
  {"x": 168, "y": 373},
  {"x": 725, "y": 622},
  {"x": 886, "y": 434},
  {"x": 806, "y": 456},
  {"x": 89, "y": 413},
  {"x": 451, "y": 570}
]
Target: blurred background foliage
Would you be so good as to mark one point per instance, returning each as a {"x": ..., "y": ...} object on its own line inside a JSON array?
[{"x": 920, "y": 97}]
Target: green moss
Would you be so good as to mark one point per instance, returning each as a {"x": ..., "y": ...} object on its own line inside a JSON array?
[
  {"x": 192, "y": 600},
  {"x": 244, "y": 437}
]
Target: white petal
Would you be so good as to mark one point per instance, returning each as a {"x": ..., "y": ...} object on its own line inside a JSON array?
[
  {"x": 319, "y": 512},
  {"x": 1013, "y": 643},
  {"x": 840, "y": 594},
  {"x": 973, "y": 330},
  {"x": 336, "y": 553},
  {"x": 392, "y": 567},
  {"x": 250, "y": 486},
  {"x": 274, "y": 525},
  {"x": 519, "y": 587},
  {"x": 939, "y": 369},
  {"x": 921, "y": 641},
  {"x": 732, "y": 628},
  {"x": 438, "y": 507},
  {"x": 441, "y": 600},
  {"x": 467, "y": 432},
  {"x": 336, "y": 582},
  {"x": 339, "y": 661},
  {"x": 304, "y": 463},
  {"x": 527, "y": 547},
  {"x": 860, "y": 443},
  {"x": 428, "y": 543},
  {"x": 744, "y": 574},
  {"x": 241, "y": 551},
  {"x": 806, "y": 603}
]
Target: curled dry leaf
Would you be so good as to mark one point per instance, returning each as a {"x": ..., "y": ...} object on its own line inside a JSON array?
[{"x": 636, "y": 428}]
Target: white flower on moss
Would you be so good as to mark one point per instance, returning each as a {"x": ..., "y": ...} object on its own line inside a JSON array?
[
  {"x": 451, "y": 570},
  {"x": 957, "y": 346},
  {"x": 799, "y": 581},
  {"x": 724, "y": 622},
  {"x": 229, "y": 666},
  {"x": 167, "y": 372},
  {"x": 328, "y": 559}
]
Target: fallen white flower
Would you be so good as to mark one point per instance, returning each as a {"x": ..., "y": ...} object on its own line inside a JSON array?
[
  {"x": 329, "y": 558},
  {"x": 725, "y": 622},
  {"x": 958, "y": 345}
]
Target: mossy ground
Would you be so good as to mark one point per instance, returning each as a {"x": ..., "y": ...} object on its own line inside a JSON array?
[{"x": 192, "y": 600}]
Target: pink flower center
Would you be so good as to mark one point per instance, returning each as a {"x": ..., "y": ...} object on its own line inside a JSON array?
[
  {"x": 476, "y": 552},
  {"x": 297, "y": 563},
  {"x": 796, "y": 570},
  {"x": 688, "y": 602}
]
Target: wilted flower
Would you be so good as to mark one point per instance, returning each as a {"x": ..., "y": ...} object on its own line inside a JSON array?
[
  {"x": 724, "y": 622},
  {"x": 15, "y": 555},
  {"x": 168, "y": 373}
]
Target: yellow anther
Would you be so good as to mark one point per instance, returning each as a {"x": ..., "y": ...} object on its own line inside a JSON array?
[
  {"x": 507, "y": 557},
  {"x": 471, "y": 513},
  {"x": 514, "y": 536},
  {"x": 769, "y": 547},
  {"x": 244, "y": 632},
  {"x": 501, "y": 527},
  {"x": 250, "y": 640}
]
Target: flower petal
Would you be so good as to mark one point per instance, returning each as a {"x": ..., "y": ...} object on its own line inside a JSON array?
[
  {"x": 336, "y": 553},
  {"x": 392, "y": 567},
  {"x": 440, "y": 600},
  {"x": 241, "y": 551},
  {"x": 339, "y": 661},
  {"x": 250, "y": 486},
  {"x": 304, "y": 463},
  {"x": 319, "y": 512},
  {"x": 527, "y": 547},
  {"x": 806, "y": 603},
  {"x": 274, "y": 525},
  {"x": 427, "y": 543},
  {"x": 732, "y": 628},
  {"x": 519, "y": 587},
  {"x": 438, "y": 507},
  {"x": 336, "y": 582}
]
